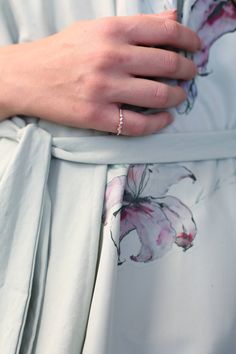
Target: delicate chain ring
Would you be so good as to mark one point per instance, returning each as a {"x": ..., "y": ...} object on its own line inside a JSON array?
[{"x": 121, "y": 121}]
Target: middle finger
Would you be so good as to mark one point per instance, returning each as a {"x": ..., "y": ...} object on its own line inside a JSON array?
[
  {"x": 147, "y": 93},
  {"x": 157, "y": 62}
]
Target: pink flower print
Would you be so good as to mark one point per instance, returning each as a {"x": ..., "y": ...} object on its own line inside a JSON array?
[
  {"x": 154, "y": 230},
  {"x": 159, "y": 220},
  {"x": 211, "y": 19},
  {"x": 181, "y": 219},
  {"x": 113, "y": 195},
  {"x": 184, "y": 240}
]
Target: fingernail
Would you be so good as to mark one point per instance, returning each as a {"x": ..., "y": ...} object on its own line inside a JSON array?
[
  {"x": 167, "y": 13},
  {"x": 171, "y": 12},
  {"x": 200, "y": 43},
  {"x": 169, "y": 119}
]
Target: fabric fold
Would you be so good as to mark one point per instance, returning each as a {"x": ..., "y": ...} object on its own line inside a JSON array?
[{"x": 22, "y": 202}]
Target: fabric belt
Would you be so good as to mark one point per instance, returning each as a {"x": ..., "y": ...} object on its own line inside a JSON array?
[{"x": 158, "y": 148}]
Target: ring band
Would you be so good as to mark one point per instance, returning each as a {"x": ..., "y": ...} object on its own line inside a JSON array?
[{"x": 121, "y": 122}]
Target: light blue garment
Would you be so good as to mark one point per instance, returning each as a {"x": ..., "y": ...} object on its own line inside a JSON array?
[{"x": 60, "y": 217}]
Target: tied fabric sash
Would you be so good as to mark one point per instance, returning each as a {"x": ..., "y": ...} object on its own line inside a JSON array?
[
  {"x": 109, "y": 149},
  {"x": 25, "y": 203}
]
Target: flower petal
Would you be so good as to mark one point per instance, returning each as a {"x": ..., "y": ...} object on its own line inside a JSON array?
[
  {"x": 211, "y": 19},
  {"x": 126, "y": 223},
  {"x": 163, "y": 176},
  {"x": 217, "y": 19},
  {"x": 190, "y": 88},
  {"x": 181, "y": 219},
  {"x": 137, "y": 179},
  {"x": 154, "y": 230},
  {"x": 113, "y": 194}
]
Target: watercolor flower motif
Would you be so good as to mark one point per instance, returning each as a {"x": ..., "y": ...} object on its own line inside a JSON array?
[
  {"x": 211, "y": 19},
  {"x": 160, "y": 220}
]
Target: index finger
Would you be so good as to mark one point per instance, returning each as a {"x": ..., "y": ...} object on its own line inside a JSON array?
[{"x": 156, "y": 31}]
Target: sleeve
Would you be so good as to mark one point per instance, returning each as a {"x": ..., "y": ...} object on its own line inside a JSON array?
[{"x": 9, "y": 33}]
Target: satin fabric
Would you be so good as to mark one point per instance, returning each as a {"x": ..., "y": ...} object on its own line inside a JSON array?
[{"x": 62, "y": 291}]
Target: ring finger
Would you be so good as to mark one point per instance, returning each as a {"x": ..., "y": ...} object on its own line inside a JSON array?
[{"x": 134, "y": 124}]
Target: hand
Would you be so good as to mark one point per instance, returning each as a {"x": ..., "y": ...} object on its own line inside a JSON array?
[{"x": 79, "y": 76}]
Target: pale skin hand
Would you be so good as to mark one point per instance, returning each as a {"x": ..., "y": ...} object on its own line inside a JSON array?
[{"x": 79, "y": 76}]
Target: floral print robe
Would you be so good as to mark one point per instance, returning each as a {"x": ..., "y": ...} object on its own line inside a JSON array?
[{"x": 120, "y": 258}]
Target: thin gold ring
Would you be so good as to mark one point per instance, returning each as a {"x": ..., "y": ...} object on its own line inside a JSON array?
[{"x": 121, "y": 121}]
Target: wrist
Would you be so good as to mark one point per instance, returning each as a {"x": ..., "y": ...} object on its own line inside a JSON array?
[{"x": 13, "y": 69}]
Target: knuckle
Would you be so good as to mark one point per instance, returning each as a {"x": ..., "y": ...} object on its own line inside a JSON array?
[
  {"x": 110, "y": 58},
  {"x": 122, "y": 57},
  {"x": 104, "y": 58},
  {"x": 89, "y": 113},
  {"x": 96, "y": 86},
  {"x": 93, "y": 115},
  {"x": 161, "y": 94},
  {"x": 83, "y": 115},
  {"x": 172, "y": 62},
  {"x": 110, "y": 27},
  {"x": 171, "y": 29}
]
